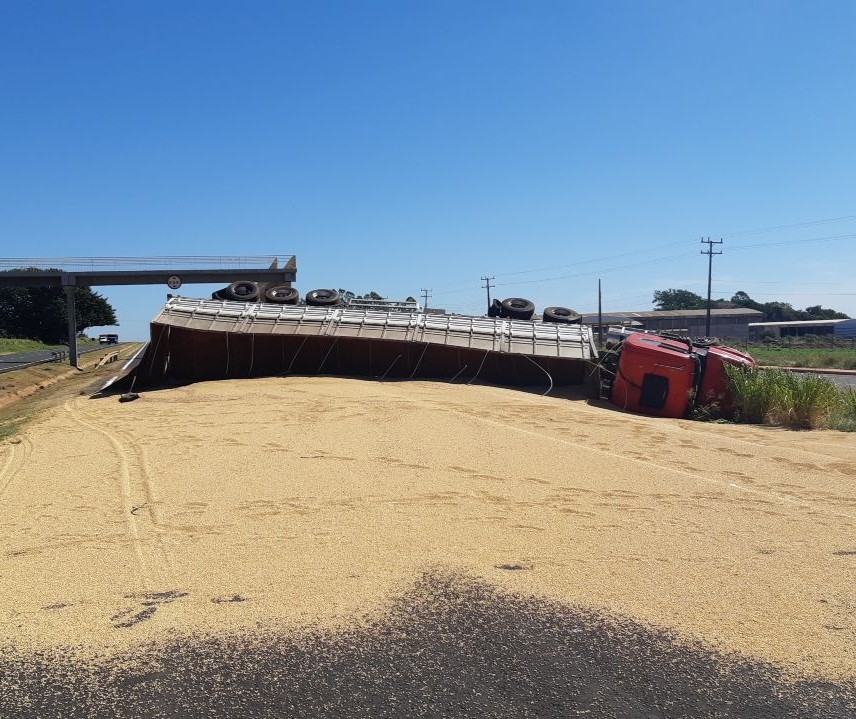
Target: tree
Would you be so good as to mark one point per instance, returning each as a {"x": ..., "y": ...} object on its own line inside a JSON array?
[
  {"x": 41, "y": 313},
  {"x": 781, "y": 312},
  {"x": 772, "y": 311},
  {"x": 678, "y": 300},
  {"x": 816, "y": 312},
  {"x": 742, "y": 299}
]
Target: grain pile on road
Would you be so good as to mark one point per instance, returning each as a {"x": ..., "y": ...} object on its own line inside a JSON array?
[{"x": 352, "y": 546}]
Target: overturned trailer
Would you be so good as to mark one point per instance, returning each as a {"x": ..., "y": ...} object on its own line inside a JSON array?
[{"x": 196, "y": 339}]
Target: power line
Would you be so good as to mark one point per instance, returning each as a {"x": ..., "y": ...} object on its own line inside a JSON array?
[
  {"x": 827, "y": 238},
  {"x": 616, "y": 301},
  {"x": 646, "y": 250},
  {"x": 778, "y": 282},
  {"x": 791, "y": 294},
  {"x": 456, "y": 290},
  {"x": 776, "y": 228},
  {"x": 773, "y": 228},
  {"x": 658, "y": 260},
  {"x": 669, "y": 245}
]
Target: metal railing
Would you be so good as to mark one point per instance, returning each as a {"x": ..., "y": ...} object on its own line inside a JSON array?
[
  {"x": 56, "y": 356},
  {"x": 362, "y": 303},
  {"x": 118, "y": 264}
]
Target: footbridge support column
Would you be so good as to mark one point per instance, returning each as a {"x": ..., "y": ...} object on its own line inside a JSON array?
[{"x": 72, "y": 323}]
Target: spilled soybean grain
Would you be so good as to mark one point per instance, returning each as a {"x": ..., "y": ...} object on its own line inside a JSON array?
[
  {"x": 623, "y": 515},
  {"x": 127, "y": 619},
  {"x": 228, "y": 600},
  {"x": 149, "y": 601},
  {"x": 451, "y": 646}
]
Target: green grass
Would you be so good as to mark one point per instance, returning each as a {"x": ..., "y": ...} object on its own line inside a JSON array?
[
  {"x": 11, "y": 346},
  {"x": 9, "y": 428},
  {"x": 820, "y": 358},
  {"x": 843, "y": 417},
  {"x": 778, "y": 397}
]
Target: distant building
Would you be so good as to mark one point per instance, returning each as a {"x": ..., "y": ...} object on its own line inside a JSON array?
[
  {"x": 733, "y": 322},
  {"x": 795, "y": 329},
  {"x": 846, "y": 329}
]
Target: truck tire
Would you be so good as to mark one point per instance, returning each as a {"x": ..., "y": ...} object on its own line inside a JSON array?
[
  {"x": 282, "y": 295},
  {"x": 243, "y": 291},
  {"x": 495, "y": 309},
  {"x": 221, "y": 294},
  {"x": 322, "y": 298},
  {"x": 561, "y": 315},
  {"x": 517, "y": 308}
]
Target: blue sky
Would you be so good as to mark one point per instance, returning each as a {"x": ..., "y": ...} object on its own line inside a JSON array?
[{"x": 394, "y": 146}]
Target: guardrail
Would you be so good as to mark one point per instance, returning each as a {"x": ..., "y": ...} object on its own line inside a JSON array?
[
  {"x": 56, "y": 356},
  {"x": 91, "y": 264},
  {"x": 108, "y": 358}
]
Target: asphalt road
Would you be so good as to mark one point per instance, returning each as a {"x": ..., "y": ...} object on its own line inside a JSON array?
[
  {"x": 842, "y": 380},
  {"x": 452, "y": 647},
  {"x": 20, "y": 360}
]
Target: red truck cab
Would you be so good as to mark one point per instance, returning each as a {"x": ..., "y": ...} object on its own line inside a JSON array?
[
  {"x": 668, "y": 376},
  {"x": 655, "y": 376},
  {"x": 714, "y": 381}
]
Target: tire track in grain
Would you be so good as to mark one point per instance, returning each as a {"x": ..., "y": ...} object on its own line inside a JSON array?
[
  {"x": 18, "y": 455},
  {"x": 153, "y": 501},
  {"x": 151, "y": 569}
]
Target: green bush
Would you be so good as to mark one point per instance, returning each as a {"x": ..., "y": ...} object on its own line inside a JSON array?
[
  {"x": 779, "y": 397},
  {"x": 843, "y": 417}
]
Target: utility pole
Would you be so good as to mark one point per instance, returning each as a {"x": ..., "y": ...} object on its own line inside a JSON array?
[
  {"x": 426, "y": 294},
  {"x": 710, "y": 253},
  {"x": 488, "y": 285},
  {"x": 599, "y": 316},
  {"x": 72, "y": 321}
]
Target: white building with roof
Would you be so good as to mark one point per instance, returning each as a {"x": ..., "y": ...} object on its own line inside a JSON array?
[
  {"x": 732, "y": 322},
  {"x": 797, "y": 328}
]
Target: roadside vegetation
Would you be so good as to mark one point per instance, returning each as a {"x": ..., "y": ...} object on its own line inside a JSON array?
[
  {"x": 843, "y": 418},
  {"x": 11, "y": 346},
  {"x": 26, "y": 393},
  {"x": 778, "y": 397},
  {"x": 8, "y": 428},
  {"x": 39, "y": 313},
  {"x": 815, "y": 357},
  {"x": 770, "y": 311}
]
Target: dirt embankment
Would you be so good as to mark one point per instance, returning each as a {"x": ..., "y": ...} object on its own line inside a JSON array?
[{"x": 19, "y": 384}]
